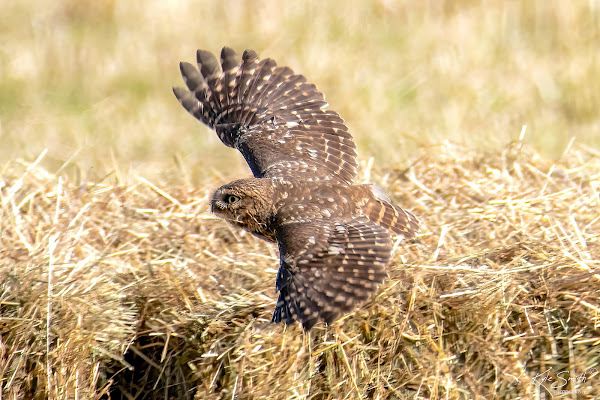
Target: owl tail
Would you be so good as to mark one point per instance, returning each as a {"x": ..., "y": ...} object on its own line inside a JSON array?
[
  {"x": 236, "y": 95},
  {"x": 382, "y": 211}
]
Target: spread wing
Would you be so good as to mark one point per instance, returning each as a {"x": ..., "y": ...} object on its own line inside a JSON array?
[
  {"x": 328, "y": 267},
  {"x": 272, "y": 116}
]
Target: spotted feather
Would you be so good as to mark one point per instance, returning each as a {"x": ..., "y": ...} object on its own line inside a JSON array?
[
  {"x": 328, "y": 267},
  {"x": 274, "y": 117},
  {"x": 388, "y": 215}
]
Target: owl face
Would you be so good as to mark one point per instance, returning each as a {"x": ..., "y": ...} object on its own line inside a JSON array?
[
  {"x": 231, "y": 204},
  {"x": 242, "y": 201}
]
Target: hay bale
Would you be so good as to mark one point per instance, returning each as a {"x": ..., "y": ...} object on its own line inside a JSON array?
[{"x": 136, "y": 292}]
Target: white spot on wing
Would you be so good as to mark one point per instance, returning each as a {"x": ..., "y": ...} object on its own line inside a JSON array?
[{"x": 334, "y": 250}]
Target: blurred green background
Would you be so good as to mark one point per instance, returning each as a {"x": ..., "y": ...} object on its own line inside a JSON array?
[{"x": 91, "y": 80}]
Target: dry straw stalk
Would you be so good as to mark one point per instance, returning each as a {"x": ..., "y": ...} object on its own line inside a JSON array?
[{"x": 116, "y": 291}]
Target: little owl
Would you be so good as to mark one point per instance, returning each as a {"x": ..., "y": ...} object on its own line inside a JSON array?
[{"x": 334, "y": 237}]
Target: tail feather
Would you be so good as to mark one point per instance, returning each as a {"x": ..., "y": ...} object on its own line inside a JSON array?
[{"x": 388, "y": 215}]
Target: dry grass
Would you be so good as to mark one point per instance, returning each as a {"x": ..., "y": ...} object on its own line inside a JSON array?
[
  {"x": 136, "y": 291},
  {"x": 116, "y": 283}
]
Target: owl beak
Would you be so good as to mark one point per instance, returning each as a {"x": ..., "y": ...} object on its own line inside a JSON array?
[
  {"x": 213, "y": 206},
  {"x": 213, "y": 202},
  {"x": 216, "y": 207}
]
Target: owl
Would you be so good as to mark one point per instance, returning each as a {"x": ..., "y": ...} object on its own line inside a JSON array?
[{"x": 334, "y": 236}]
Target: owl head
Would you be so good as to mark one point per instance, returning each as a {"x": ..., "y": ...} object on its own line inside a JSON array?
[{"x": 243, "y": 201}]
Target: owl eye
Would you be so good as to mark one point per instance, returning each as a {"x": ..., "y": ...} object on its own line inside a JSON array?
[{"x": 231, "y": 199}]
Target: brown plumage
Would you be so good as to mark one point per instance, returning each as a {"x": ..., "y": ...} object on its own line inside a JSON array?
[{"x": 334, "y": 237}]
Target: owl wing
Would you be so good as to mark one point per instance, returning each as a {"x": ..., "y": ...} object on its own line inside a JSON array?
[
  {"x": 328, "y": 267},
  {"x": 272, "y": 116}
]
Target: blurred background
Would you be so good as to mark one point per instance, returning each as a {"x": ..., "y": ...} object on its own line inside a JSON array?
[{"x": 90, "y": 81}]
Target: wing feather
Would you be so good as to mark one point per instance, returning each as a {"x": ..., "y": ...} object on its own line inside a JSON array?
[
  {"x": 274, "y": 117},
  {"x": 230, "y": 64},
  {"x": 328, "y": 267}
]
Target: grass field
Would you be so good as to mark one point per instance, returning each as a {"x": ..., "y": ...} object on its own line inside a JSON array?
[{"x": 479, "y": 117}]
